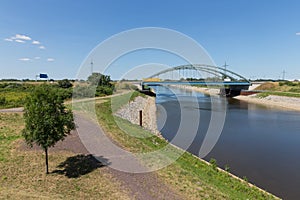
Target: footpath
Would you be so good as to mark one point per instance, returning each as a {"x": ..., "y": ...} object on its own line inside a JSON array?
[{"x": 142, "y": 185}]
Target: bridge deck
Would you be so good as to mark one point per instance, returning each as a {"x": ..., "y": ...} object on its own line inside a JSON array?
[{"x": 196, "y": 83}]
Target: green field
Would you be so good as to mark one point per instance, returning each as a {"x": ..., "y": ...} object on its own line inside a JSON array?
[{"x": 13, "y": 94}]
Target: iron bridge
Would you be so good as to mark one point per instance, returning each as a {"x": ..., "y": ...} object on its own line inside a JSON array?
[{"x": 229, "y": 82}]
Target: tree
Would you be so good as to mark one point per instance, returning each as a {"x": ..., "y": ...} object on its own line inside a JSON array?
[
  {"x": 99, "y": 79},
  {"x": 102, "y": 84},
  {"x": 47, "y": 121}
]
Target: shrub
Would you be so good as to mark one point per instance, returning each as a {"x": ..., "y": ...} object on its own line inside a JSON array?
[
  {"x": 84, "y": 91},
  {"x": 65, "y": 83},
  {"x": 104, "y": 90},
  {"x": 288, "y": 83},
  {"x": 297, "y": 90},
  {"x": 2, "y": 101},
  {"x": 65, "y": 93}
]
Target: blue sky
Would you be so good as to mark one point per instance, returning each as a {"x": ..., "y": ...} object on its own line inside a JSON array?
[{"x": 256, "y": 38}]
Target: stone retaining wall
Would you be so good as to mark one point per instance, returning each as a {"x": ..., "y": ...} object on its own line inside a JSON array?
[{"x": 131, "y": 110}]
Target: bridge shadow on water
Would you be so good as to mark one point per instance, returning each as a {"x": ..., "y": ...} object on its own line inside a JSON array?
[{"x": 76, "y": 166}]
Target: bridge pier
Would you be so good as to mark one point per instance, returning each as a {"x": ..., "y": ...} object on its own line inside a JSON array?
[{"x": 233, "y": 90}]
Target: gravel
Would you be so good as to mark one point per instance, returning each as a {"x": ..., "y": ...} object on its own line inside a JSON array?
[{"x": 290, "y": 103}]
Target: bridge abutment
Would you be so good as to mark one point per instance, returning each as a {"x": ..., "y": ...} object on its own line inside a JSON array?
[{"x": 233, "y": 90}]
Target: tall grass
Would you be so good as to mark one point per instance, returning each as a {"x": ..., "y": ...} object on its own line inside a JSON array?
[{"x": 284, "y": 88}]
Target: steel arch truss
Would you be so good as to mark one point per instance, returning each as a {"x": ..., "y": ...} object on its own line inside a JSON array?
[{"x": 214, "y": 70}]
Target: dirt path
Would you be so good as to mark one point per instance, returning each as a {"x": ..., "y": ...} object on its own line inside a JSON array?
[
  {"x": 142, "y": 185},
  {"x": 11, "y": 110}
]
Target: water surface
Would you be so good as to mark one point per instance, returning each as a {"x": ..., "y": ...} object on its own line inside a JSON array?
[{"x": 260, "y": 143}]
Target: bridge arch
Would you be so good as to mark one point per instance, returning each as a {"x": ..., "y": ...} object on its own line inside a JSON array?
[
  {"x": 214, "y": 70},
  {"x": 229, "y": 87}
]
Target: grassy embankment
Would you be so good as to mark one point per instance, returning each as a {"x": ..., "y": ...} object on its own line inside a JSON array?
[
  {"x": 193, "y": 178},
  {"x": 285, "y": 88},
  {"x": 22, "y": 173}
]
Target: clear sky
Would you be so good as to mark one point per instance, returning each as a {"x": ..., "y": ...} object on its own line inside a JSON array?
[{"x": 257, "y": 38}]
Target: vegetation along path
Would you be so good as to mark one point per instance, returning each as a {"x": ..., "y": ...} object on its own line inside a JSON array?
[
  {"x": 75, "y": 174},
  {"x": 136, "y": 185}
]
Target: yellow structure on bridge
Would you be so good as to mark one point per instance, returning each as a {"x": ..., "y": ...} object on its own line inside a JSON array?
[{"x": 151, "y": 80}]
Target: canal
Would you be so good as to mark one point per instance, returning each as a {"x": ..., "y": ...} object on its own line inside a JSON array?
[{"x": 256, "y": 142}]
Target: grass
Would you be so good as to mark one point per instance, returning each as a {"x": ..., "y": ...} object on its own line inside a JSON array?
[
  {"x": 193, "y": 178},
  {"x": 285, "y": 88},
  {"x": 9, "y": 126},
  {"x": 285, "y": 94},
  {"x": 22, "y": 173},
  {"x": 12, "y": 98},
  {"x": 13, "y": 94}
]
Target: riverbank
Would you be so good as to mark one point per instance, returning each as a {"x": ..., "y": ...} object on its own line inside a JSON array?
[
  {"x": 272, "y": 101},
  {"x": 132, "y": 108}
]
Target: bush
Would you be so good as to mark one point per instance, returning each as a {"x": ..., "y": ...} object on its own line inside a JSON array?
[
  {"x": 297, "y": 90},
  {"x": 65, "y": 83},
  {"x": 3, "y": 85},
  {"x": 288, "y": 83},
  {"x": 84, "y": 91},
  {"x": 104, "y": 90},
  {"x": 2, "y": 101},
  {"x": 99, "y": 79},
  {"x": 65, "y": 93}
]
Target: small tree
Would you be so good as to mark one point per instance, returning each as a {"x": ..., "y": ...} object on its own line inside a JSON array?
[
  {"x": 99, "y": 79},
  {"x": 47, "y": 121}
]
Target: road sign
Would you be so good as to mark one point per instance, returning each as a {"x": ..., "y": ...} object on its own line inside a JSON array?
[{"x": 43, "y": 75}]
